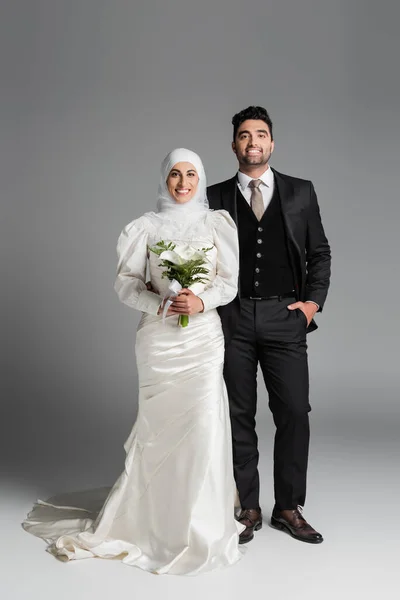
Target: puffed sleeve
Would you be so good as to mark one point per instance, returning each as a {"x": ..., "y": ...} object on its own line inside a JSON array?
[
  {"x": 132, "y": 261},
  {"x": 224, "y": 287}
]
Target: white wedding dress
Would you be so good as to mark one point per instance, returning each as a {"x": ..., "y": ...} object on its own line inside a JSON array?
[{"x": 172, "y": 509}]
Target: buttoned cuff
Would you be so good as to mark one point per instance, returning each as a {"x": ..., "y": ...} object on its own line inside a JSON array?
[
  {"x": 148, "y": 302},
  {"x": 207, "y": 299}
]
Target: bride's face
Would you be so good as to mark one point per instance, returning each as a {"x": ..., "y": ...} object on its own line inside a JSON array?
[{"x": 182, "y": 182}]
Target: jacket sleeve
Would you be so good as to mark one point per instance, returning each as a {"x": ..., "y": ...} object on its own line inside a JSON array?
[
  {"x": 224, "y": 287},
  {"x": 318, "y": 255},
  {"x": 132, "y": 261}
]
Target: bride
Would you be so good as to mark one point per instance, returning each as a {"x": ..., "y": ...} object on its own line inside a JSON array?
[{"x": 172, "y": 509}]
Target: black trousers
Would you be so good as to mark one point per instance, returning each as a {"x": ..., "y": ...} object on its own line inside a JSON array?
[{"x": 270, "y": 335}]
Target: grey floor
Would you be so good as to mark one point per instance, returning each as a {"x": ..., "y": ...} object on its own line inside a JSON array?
[{"x": 352, "y": 498}]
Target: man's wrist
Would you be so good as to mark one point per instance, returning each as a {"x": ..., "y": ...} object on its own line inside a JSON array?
[{"x": 312, "y": 302}]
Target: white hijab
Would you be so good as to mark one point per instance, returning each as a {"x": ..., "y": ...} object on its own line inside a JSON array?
[{"x": 166, "y": 203}]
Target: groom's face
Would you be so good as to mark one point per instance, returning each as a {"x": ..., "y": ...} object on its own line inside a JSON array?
[{"x": 253, "y": 145}]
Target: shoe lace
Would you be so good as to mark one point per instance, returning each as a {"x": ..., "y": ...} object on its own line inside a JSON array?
[
  {"x": 246, "y": 514},
  {"x": 299, "y": 510}
]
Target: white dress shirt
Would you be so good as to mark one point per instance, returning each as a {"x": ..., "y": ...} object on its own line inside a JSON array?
[{"x": 267, "y": 187}]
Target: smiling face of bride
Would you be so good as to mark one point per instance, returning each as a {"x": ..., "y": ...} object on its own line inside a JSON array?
[{"x": 182, "y": 182}]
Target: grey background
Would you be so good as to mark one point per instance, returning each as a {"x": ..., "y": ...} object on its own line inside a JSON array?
[{"x": 93, "y": 95}]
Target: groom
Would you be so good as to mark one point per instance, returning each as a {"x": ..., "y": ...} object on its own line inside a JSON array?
[{"x": 284, "y": 278}]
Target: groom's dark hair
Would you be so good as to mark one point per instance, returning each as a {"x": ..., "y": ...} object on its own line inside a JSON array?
[{"x": 252, "y": 112}]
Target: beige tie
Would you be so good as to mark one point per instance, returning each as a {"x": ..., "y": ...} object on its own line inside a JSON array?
[{"x": 256, "y": 200}]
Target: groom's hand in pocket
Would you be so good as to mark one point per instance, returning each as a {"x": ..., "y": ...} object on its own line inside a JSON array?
[
  {"x": 187, "y": 303},
  {"x": 308, "y": 308}
]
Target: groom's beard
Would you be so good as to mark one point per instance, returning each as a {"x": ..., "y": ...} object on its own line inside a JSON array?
[{"x": 263, "y": 159}]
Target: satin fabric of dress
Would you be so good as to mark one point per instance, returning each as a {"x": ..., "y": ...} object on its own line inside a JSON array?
[{"x": 172, "y": 508}]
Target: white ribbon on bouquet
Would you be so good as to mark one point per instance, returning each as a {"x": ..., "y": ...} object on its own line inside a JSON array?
[{"x": 173, "y": 291}]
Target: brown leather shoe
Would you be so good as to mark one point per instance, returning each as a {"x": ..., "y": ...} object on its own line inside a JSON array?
[
  {"x": 295, "y": 524},
  {"x": 252, "y": 518}
]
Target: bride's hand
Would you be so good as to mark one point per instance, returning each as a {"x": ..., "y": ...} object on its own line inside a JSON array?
[{"x": 187, "y": 303}]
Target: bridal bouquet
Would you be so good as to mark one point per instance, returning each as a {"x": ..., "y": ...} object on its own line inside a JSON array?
[{"x": 184, "y": 266}]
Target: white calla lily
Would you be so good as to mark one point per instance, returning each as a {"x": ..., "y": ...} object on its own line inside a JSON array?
[
  {"x": 172, "y": 257},
  {"x": 181, "y": 254},
  {"x": 189, "y": 252}
]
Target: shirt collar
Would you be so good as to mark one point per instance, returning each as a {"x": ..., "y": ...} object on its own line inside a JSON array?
[{"x": 267, "y": 178}]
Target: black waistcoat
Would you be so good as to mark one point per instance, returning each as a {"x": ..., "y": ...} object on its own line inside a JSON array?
[{"x": 264, "y": 259}]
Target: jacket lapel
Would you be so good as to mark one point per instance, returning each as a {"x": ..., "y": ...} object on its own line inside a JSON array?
[
  {"x": 229, "y": 198},
  {"x": 229, "y": 203},
  {"x": 288, "y": 206}
]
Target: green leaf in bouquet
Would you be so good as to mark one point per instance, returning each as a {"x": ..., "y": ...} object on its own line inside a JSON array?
[{"x": 161, "y": 247}]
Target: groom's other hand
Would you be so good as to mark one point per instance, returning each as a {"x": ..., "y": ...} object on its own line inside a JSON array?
[
  {"x": 187, "y": 303},
  {"x": 150, "y": 287},
  {"x": 308, "y": 308}
]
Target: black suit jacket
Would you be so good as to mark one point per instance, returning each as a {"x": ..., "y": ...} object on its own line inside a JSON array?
[{"x": 309, "y": 250}]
